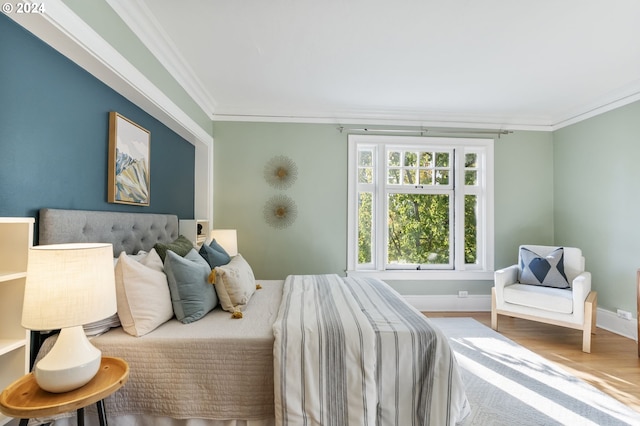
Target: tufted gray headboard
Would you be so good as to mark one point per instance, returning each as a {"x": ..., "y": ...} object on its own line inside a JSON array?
[{"x": 130, "y": 232}]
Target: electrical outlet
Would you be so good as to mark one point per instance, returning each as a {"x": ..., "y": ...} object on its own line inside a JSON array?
[
  {"x": 463, "y": 293},
  {"x": 624, "y": 314}
]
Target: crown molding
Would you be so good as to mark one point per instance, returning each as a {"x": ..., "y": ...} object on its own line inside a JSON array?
[
  {"x": 145, "y": 26},
  {"x": 400, "y": 117},
  {"x": 426, "y": 119},
  {"x": 386, "y": 118},
  {"x": 605, "y": 104}
]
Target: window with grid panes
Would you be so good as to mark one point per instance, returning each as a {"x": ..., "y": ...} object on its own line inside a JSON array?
[{"x": 420, "y": 204}]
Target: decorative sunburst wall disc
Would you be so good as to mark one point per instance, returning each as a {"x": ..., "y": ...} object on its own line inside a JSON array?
[
  {"x": 280, "y": 211},
  {"x": 280, "y": 172}
]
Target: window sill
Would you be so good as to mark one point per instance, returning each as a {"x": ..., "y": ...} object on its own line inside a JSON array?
[{"x": 425, "y": 275}]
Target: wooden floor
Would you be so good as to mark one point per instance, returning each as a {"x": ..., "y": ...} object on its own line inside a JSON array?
[{"x": 612, "y": 366}]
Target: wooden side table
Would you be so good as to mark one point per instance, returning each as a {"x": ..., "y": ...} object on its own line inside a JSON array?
[{"x": 24, "y": 399}]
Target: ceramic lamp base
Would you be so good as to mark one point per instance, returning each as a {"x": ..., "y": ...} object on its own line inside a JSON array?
[{"x": 72, "y": 362}]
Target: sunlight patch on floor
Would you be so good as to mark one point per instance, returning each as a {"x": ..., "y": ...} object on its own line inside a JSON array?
[
  {"x": 520, "y": 359},
  {"x": 605, "y": 382}
]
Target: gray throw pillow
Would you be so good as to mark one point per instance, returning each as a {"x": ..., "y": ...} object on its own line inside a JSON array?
[{"x": 545, "y": 271}]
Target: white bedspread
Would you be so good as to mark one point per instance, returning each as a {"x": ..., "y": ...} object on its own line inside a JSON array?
[
  {"x": 215, "y": 368},
  {"x": 353, "y": 352}
]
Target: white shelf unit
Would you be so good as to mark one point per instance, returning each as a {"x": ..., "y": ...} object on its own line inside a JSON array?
[
  {"x": 198, "y": 234},
  {"x": 16, "y": 237}
]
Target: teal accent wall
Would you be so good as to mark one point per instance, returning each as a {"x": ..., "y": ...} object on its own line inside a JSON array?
[
  {"x": 597, "y": 200},
  {"x": 317, "y": 242},
  {"x": 54, "y": 136}
]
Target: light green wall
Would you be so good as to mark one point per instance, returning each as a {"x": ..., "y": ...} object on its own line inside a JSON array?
[
  {"x": 316, "y": 242},
  {"x": 103, "y": 19},
  {"x": 597, "y": 181},
  {"x": 523, "y": 193}
]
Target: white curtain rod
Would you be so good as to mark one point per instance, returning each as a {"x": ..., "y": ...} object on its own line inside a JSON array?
[{"x": 422, "y": 131}]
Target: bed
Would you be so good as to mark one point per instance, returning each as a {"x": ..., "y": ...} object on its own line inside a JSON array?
[{"x": 315, "y": 350}]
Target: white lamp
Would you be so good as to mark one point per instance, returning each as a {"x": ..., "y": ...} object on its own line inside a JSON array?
[
  {"x": 67, "y": 286},
  {"x": 228, "y": 239}
]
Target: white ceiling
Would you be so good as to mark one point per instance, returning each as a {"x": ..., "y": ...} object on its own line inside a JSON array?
[{"x": 503, "y": 63}]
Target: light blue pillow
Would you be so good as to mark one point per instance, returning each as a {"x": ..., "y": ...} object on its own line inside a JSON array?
[
  {"x": 214, "y": 254},
  {"x": 545, "y": 271},
  {"x": 191, "y": 294}
]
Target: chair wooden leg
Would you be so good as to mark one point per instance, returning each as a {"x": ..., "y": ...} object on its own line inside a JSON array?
[
  {"x": 589, "y": 324},
  {"x": 594, "y": 311},
  {"x": 586, "y": 339},
  {"x": 494, "y": 314}
]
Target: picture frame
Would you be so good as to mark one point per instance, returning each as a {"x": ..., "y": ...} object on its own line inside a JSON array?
[{"x": 129, "y": 162}]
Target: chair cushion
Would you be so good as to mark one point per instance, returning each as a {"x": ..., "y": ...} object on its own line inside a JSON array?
[
  {"x": 539, "y": 297},
  {"x": 545, "y": 271}
]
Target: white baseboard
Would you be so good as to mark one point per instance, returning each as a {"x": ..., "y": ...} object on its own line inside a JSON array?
[
  {"x": 450, "y": 303},
  {"x": 612, "y": 322},
  {"x": 606, "y": 320}
]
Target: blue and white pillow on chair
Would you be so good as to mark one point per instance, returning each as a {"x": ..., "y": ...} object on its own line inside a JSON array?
[{"x": 545, "y": 271}]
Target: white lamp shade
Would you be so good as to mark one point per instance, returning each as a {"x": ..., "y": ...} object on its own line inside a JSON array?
[
  {"x": 228, "y": 239},
  {"x": 68, "y": 285}
]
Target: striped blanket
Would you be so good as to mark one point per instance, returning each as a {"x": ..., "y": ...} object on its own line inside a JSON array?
[{"x": 351, "y": 351}]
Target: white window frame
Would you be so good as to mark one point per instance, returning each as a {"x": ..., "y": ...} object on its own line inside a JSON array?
[{"x": 483, "y": 269}]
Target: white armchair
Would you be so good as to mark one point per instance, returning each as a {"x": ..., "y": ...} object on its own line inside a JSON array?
[{"x": 573, "y": 307}]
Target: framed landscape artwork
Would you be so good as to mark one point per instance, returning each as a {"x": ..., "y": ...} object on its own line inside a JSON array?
[{"x": 129, "y": 153}]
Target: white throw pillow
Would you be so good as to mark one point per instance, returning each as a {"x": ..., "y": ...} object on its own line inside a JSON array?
[
  {"x": 138, "y": 256},
  {"x": 143, "y": 297},
  {"x": 235, "y": 284}
]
